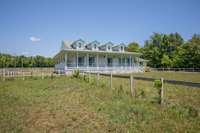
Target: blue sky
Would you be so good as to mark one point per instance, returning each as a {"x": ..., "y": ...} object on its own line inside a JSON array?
[{"x": 33, "y": 27}]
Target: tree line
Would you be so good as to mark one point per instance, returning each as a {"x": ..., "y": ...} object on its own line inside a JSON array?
[
  {"x": 7, "y": 60},
  {"x": 169, "y": 51}
]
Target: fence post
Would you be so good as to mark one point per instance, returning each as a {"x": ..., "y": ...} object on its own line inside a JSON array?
[
  {"x": 97, "y": 78},
  {"x": 111, "y": 80},
  {"x": 23, "y": 75},
  {"x": 89, "y": 77},
  {"x": 42, "y": 75},
  {"x": 51, "y": 75},
  {"x": 132, "y": 85},
  {"x": 8, "y": 74},
  {"x": 162, "y": 91},
  {"x": 84, "y": 76},
  {"x": 31, "y": 74},
  {"x": 4, "y": 74}
]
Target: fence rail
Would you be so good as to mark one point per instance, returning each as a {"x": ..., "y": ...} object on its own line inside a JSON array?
[
  {"x": 175, "y": 82},
  {"x": 133, "y": 84},
  {"x": 25, "y": 72},
  {"x": 177, "y": 69}
]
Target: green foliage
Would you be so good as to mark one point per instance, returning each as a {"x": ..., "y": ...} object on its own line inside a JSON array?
[
  {"x": 119, "y": 90},
  {"x": 170, "y": 50},
  {"x": 191, "y": 56},
  {"x": 76, "y": 74},
  {"x": 157, "y": 84},
  {"x": 133, "y": 47},
  {"x": 166, "y": 61},
  {"x": 7, "y": 60},
  {"x": 142, "y": 94}
]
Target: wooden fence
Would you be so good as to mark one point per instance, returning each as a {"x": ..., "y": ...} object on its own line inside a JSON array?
[
  {"x": 26, "y": 72},
  {"x": 177, "y": 69},
  {"x": 42, "y": 72},
  {"x": 133, "y": 85}
]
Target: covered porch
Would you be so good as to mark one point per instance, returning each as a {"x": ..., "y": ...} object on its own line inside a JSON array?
[{"x": 98, "y": 61}]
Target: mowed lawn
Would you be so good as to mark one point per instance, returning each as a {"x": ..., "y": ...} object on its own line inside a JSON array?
[{"x": 65, "y": 104}]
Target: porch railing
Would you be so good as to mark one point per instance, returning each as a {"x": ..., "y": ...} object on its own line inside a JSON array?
[{"x": 103, "y": 69}]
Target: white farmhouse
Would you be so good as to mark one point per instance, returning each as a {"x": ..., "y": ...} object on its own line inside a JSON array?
[{"x": 95, "y": 56}]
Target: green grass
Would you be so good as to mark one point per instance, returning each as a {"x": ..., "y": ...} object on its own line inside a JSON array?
[{"x": 64, "y": 104}]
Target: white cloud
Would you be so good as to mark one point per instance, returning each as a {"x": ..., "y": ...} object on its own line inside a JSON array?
[{"x": 34, "y": 39}]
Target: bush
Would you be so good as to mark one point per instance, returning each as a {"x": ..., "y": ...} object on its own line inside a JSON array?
[
  {"x": 76, "y": 73},
  {"x": 193, "y": 112},
  {"x": 142, "y": 94},
  {"x": 157, "y": 84}
]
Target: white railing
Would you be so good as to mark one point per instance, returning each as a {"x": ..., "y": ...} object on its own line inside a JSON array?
[{"x": 116, "y": 69}]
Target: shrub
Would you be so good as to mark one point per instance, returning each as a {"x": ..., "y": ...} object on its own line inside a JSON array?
[
  {"x": 120, "y": 90},
  {"x": 86, "y": 78},
  {"x": 76, "y": 73},
  {"x": 157, "y": 85},
  {"x": 193, "y": 112},
  {"x": 142, "y": 94}
]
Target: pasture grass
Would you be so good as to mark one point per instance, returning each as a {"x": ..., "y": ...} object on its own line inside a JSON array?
[{"x": 65, "y": 104}]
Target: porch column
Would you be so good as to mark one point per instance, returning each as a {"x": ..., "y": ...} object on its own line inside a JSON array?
[
  {"x": 121, "y": 63},
  {"x": 125, "y": 62},
  {"x": 130, "y": 62},
  {"x": 106, "y": 61},
  {"x": 97, "y": 61},
  {"x": 87, "y": 61},
  {"x": 77, "y": 60},
  {"x": 66, "y": 60}
]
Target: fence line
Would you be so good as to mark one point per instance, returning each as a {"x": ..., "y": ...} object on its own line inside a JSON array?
[
  {"x": 175, "y": 82},
  {"x": 132, "y": 79},
  {"x": 177, "y": 69},
  {"x": 26, "y": 72},
  {"x": 132, "y": 83}
]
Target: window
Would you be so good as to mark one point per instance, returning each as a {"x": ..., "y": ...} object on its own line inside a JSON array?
[
  {"x": 108, "y": 47},
  {"x": 95, "y": 46}
]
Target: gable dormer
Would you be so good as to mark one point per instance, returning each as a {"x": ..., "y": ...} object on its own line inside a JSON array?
[
  {"x": 78, "y": 44},
  {"x": 93, "y": 45},
  {"x": 66, "y": 44},
  {"x": 106, "y": 47},
  {"x": 119, "y": 47}
]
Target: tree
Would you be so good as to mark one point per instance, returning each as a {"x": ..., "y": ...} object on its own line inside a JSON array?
[
  {"x": 191, "y": 57},
  {"x": 166, "y": 61},
  {"x": 161, "y": 49},
  {"x": 7, "y": 60},
  {"x": 133, "y": 47}
]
